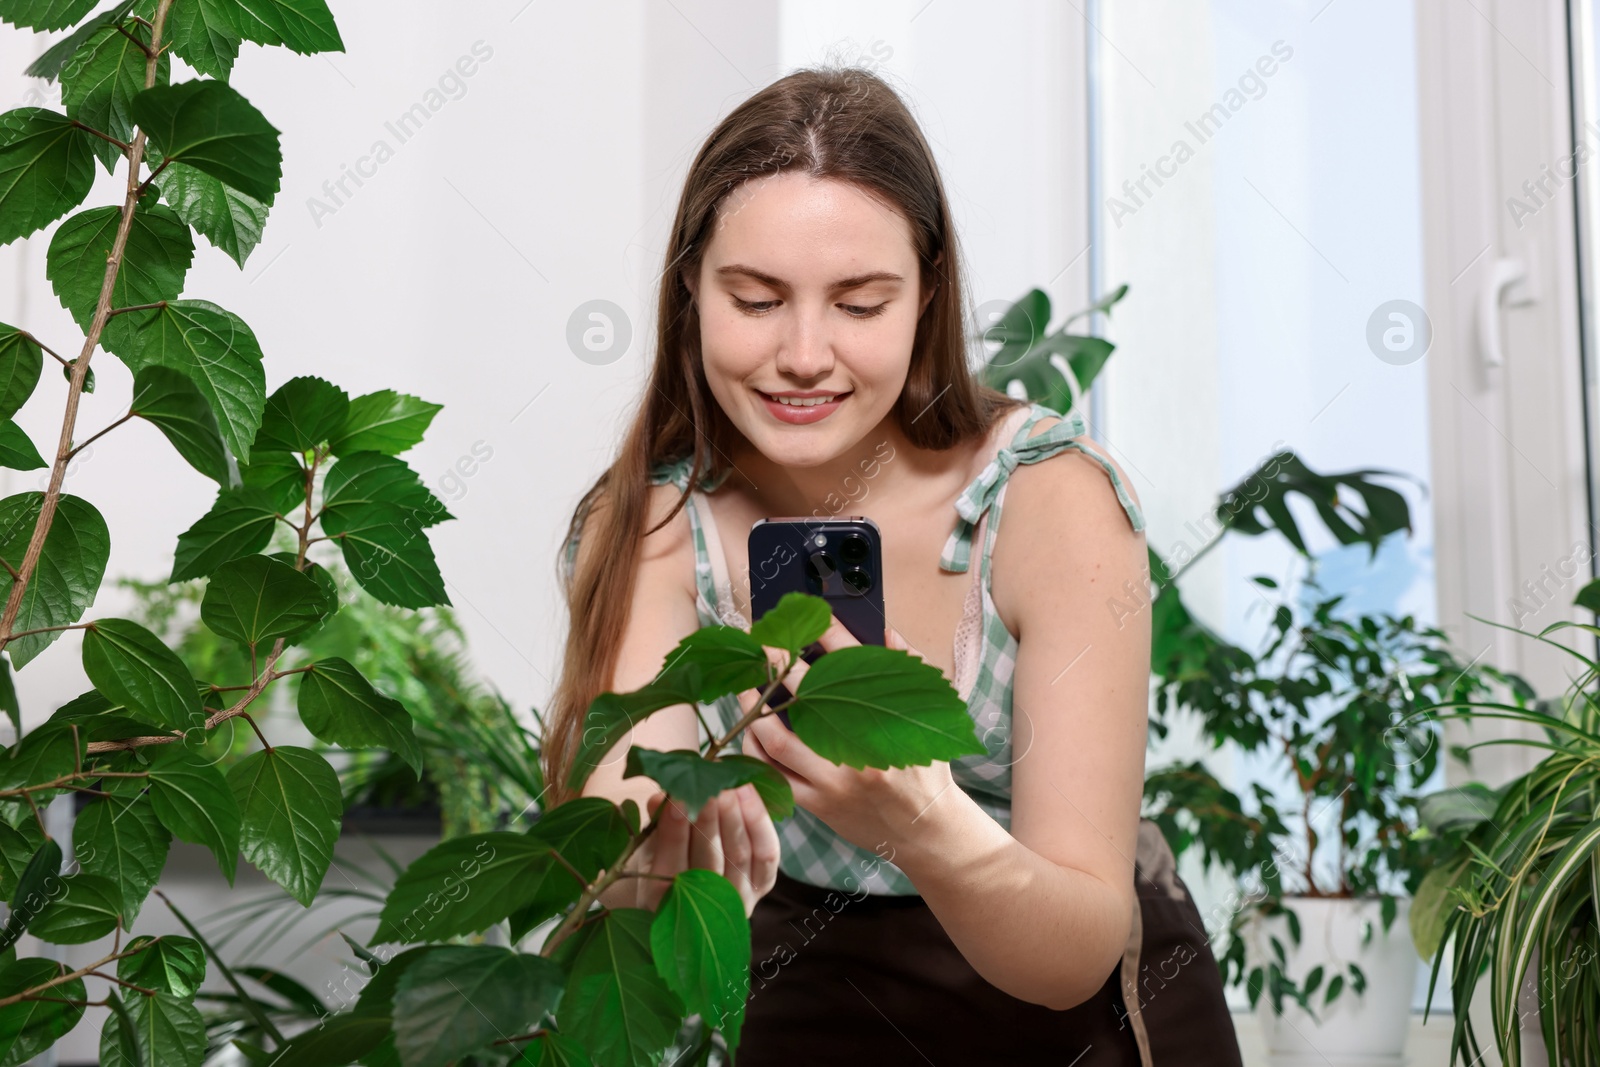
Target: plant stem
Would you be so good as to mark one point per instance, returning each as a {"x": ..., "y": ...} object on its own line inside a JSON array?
[
  {"x": 138, "y": 307},
  {"x": 28, "y": 994},
  {"x": 756, "y": 712},
  {"x": 128, "y": 744},
  {"x": 305, "y": 530},
  {"x": 570, "y": 921},
  {"x": 103, "y": 136},
  {"x": 101, "y": 433},
  {"x": 44, "y": 346},
  {"x": 573, "y": 918},
  {"x": 80, "y": 368}
]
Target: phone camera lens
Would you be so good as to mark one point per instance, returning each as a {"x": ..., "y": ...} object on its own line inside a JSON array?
[
  {"x": 857, "y": 580},
  {"x": 854, "y": 549},
  {"x": 820, "y": 567}
]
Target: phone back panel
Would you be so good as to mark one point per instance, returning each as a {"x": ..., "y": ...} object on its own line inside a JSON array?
[{"x": 779, "y": 549}]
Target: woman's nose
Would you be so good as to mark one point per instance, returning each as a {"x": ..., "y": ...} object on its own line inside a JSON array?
[{"x": 806, "y": 349}]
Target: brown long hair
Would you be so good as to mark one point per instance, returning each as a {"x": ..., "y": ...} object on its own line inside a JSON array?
[{"x": 840, "y": 123}]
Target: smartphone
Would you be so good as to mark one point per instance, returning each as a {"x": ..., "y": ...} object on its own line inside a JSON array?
[{"x": 838, "y": 559}]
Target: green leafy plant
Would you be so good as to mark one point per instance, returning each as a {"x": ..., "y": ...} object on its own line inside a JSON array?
[
  {"x": 1336, "y": 701},
  {"x": 1519, "y": 883},
  {"x": 611, "y": 986},
  {"x": 480, "y": 764}
]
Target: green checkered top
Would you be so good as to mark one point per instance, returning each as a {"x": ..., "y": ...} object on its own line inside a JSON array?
[{"x": 985, "y": 650}]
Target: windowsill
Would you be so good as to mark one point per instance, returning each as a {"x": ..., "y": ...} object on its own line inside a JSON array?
[{"x": 1427, "y": 1046}]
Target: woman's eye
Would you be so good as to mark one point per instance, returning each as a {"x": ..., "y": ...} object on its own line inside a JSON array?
[
  {"x": 755, "y": 307},
  {"x": 864, "y": 312}
]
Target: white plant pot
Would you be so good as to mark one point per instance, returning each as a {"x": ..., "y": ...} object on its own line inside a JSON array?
[{"x": 1357, "y": 1030}]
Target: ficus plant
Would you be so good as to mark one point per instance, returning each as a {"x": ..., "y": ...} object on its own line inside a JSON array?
[
  {"x": 1339, "y": 700},
  {"x": 602, "y": 985}
]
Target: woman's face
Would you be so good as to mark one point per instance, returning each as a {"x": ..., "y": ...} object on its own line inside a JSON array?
[{"x": 807, "y": 288}]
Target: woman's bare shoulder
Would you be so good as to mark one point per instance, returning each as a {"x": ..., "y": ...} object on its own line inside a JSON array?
[{"x": 1061, "y": 518}]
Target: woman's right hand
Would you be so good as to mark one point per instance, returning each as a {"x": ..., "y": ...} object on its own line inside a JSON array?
[{"x": 732, "y": 836}]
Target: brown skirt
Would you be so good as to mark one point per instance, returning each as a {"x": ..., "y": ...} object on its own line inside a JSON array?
[{"x": 842, "y": 977}]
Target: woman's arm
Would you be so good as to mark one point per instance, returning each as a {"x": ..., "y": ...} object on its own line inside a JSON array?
[
  {"x": 732, "y": 835},
  {"x": 1043, "y": 912}
]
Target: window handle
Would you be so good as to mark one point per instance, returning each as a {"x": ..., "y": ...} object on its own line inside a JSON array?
[{"x": 1503, "y": 273}]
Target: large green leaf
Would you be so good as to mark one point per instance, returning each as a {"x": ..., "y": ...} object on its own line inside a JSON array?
[
  {"x": 174, "y": 405},
  {"x": 291, "y": 805},
  {"x": 771, "y": 785},
  {"x": 238, "y": 524},
  {"x": 125, "y": 1029},
  {"x": 213, "y": 347},
  {"x": 121, "y": 838},
  {"x": 100, "y": 80},
  {"x": 303, "y": 26},
  {"x": 281, "y": 477},
  {"x": 700, "y": 940},
  {"x": 202, "y": 34},
  {"x": 320, "y": 575},
  {"x": 869, "y": 706},
  {"x": 45, "y": 753},
  {"x": 462, "y": 886},
  {"x": 171, "y": 1031},
  {"x": 154, "y": 261},
  {"x": 730, "y": 660},
  {"x": 193, "y": 800},
  {"x": 393, "y": 563},
  {"x": 65, "y": 582},
  {"x": 589, "y": 833},
  {"x": 687, "y": 776},
  {"x": 254, "y": 600},
  {"x": 36, "y": 886},
  {"x": 169, "y": 963},
  {"x": 611, "y": 715},
  {"x": 616, "y": 1003},
  {"x": 209, "y": 126},
  {"x": 553, "y": 1050},
  {"x": 29, "y": 1027},
  {"x": 794, "y": 622},
  {"x": 377, "y": 507},
  {"x": 457, "y": 999},
  {"x": 1267, "y": 490},
  {"x": 376, "y": 998},
  {"x": 132, "y": 666},
  {"x": 46, "y": 169},
  {"x": 384, "y": 421},
  {"x": 18, "y": 845},
  {"x": 341, "y": 707},
  {"x": 334, "y": 1041},
  {"x": 88, "y": 908},
  {"x": 51, "y": 60},
  {"x": 44, "y": 14},
  {"x": 300, "y": 414},
  {"x": 16, "y": 449},
  {"x": 364, "y": 488},
  {"x": 229, "y": 219},
  {"x": 21, "y": 360}
]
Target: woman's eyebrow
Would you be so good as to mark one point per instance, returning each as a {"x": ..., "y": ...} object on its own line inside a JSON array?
[{"x": 778, "y": 283}]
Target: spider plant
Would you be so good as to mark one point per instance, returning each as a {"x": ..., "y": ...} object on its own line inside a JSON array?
[{"x": 1522, "y": 887}]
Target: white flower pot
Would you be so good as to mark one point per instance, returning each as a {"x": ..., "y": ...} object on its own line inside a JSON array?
[{"x": 1368, "y": 1029}]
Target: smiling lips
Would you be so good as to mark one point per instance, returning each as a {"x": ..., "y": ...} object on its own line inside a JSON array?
[{"x": 800, "y": 408}]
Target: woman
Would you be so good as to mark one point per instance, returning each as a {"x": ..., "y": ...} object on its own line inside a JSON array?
[{"x": 809, "y": 350}]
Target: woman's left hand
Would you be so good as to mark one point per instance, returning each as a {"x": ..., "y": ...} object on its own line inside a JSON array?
[{"x": 873, "y": 809}]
